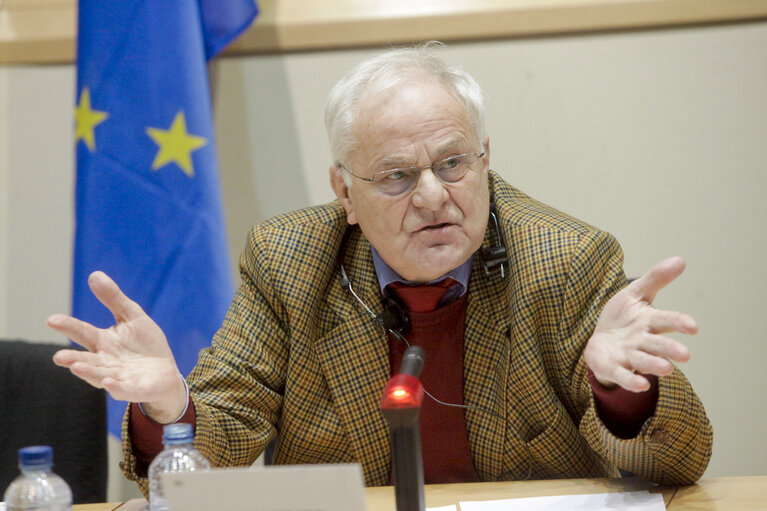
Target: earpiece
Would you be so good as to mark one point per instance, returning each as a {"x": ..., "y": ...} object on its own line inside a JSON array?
[
  {"x": 344, "y": 281},
  {"x": 495, "y": 256},
  {"x": 394, "y": 317}
]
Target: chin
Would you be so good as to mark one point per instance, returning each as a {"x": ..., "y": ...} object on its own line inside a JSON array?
[{"x": 434, "y": 270}]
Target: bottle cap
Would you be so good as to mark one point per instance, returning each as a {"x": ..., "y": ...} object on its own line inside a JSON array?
[
  {"x": 179, "y": 432},
  {"x": 36, "y": 456}
]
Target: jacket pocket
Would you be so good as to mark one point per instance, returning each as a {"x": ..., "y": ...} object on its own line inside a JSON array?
[{"x": 559, "y": 451}]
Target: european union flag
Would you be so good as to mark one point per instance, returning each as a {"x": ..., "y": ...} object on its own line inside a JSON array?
[{"x": 148, "y": 204}]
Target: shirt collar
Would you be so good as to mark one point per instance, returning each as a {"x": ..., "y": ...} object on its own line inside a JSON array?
[{"x": 386, "y": 275}]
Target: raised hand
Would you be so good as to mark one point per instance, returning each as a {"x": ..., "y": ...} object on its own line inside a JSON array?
[
  {"x": 628, "y": 338},
  {"x": 131, "y": 360}
]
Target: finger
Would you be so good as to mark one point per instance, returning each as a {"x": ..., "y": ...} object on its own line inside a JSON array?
[
  {"x": 647, "y": 286},
  {"x": 115, "y": 389},
  {"x": 108, "y": 293},
  {"x": 663, "y": 321},
  {"x": 65, "y": 358},
  {"x": 86, "y": 376},
  {"x": 630, "y": 380},
  {"x": 80, "y": 332},
  {"x": 119, "y": 390},
  {"x": 650, "y": 364},
  {"x": 94, "y": 375},
  {"x": 666, "y": 347}
]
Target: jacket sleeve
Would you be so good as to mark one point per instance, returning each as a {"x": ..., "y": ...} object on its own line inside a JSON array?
[
  {"x": 674, "y": 445},
  {"x": 237, "y": 384}
]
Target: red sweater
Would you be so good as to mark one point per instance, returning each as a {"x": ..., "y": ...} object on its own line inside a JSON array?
[
  {"x": 444, "y": 444},
  {"x": 446, "y": 456}
]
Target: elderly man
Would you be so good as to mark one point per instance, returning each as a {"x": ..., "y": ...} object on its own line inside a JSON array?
[{"x": 559, "y": 369}]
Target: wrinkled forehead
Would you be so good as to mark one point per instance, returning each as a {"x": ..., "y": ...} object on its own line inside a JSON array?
[
  {"x": 412, "y": 112},
  {"x": 389, "y": 88}
]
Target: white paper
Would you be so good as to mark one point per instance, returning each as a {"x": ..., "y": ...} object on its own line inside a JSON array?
[
  {"x": 627, "y": 501},
  {"x": 327, "y": 487}
]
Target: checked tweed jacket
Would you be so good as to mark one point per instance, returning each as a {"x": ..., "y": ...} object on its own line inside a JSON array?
[{"x": 298, "y": 359}]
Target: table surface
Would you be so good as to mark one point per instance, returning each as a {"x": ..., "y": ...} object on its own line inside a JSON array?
[{"x": 724, "y": 493}]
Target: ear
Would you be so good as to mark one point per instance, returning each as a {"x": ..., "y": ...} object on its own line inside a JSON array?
[
  {"x": 486, "y": 145},
  {"x": 341, "y": 189}
]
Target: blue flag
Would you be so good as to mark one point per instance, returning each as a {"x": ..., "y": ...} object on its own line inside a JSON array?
[{"x": 148, "y": 203}]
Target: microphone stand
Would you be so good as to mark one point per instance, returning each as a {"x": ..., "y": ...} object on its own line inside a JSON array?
[{"x": 400, "y": 405}]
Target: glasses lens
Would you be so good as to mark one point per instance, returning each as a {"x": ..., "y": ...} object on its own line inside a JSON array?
[
  {"x": 396, "y": 181},
  {"x": 454, "y": 168},
  {"x": 399, "y": 181}
]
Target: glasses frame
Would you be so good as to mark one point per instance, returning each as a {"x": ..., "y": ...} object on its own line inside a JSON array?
[{"x": 415, "y": 170}]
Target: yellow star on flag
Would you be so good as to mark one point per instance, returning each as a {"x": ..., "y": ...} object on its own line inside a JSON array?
[
  {"x": 175, "y": 145},
  {"x": 87, "y": 119}
]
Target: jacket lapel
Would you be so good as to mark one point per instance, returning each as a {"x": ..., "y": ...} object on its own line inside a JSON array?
[
  {"x": 354, "y": 356},
  {"x": 486, "y": 356}
]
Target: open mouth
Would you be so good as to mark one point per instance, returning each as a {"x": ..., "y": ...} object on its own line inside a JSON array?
[{"x": 435, "y": 227}]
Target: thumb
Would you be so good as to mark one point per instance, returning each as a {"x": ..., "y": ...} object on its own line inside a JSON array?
[
  {"x": 109, "y": 293},
  {"x": 662, "y": 274}
]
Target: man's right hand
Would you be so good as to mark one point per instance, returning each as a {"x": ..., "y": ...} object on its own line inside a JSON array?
[{"x": 131, "y": 360}]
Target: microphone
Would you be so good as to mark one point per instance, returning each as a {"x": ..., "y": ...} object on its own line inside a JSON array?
[
  {"x": 412, "y": 361},
  {"x": 393, "y": 318},
  {"x": 400, "y": 406}
]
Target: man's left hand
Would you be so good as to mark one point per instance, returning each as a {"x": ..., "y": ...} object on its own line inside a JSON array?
[{"x": 628, "y": 338}]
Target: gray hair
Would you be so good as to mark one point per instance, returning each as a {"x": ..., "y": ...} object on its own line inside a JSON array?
[{"x": 389, "y": 69}]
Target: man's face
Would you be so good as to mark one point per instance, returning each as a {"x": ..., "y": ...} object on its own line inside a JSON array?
[{"x": 435, "y": 227}]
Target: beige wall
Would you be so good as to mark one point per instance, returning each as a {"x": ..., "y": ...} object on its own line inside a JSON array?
[
  {"x": 655, "y": 136},
  {"x": 39, "y": 178}
]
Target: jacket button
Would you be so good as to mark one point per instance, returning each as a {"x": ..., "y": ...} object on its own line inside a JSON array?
[{"x": 659, "y": 437}]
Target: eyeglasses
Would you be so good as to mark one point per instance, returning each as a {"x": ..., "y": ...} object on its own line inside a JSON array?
[{"x": 402, "y": 180}]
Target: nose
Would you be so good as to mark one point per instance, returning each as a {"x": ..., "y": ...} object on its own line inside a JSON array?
[{"x": 429, "y": 191}]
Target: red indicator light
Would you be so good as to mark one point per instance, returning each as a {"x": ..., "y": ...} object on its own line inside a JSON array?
[{"x": 402, "y": 391}]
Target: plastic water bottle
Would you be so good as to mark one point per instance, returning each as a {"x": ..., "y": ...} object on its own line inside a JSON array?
[
  {"x": 178, "y": 455},
  {"x": 37, "y": 488}
]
